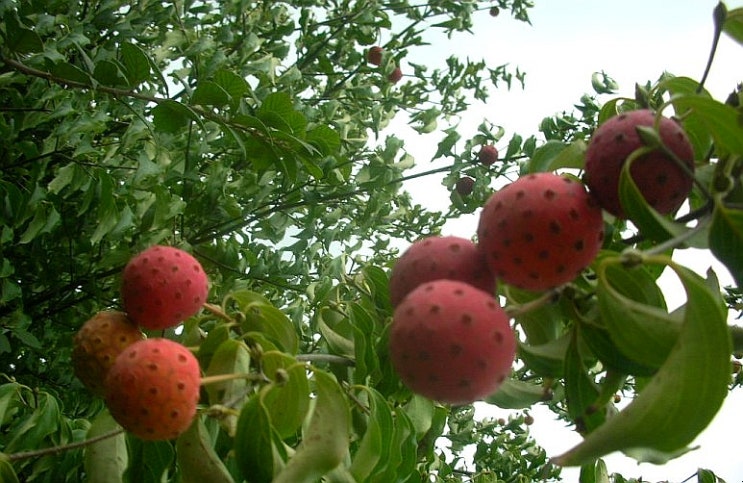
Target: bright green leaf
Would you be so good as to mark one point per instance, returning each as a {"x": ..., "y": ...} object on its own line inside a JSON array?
[
  {"x": 106, "y": 460},
  {"x": 726, "y": 239}
]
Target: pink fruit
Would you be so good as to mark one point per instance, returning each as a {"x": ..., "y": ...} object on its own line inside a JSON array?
[
  {"x": 374, "y": 55},
  {"x": 663, "y": 184},
  {"x": 438, "y": 257},
  {"x": 488, "y": 155},
  {"x": 163, "y": 286},
  {"x": 540, "y": 231},
  {"x": 97, "y": 344},
  {"x": 464, "y": 185},
  {"x": 451, "y": 342},
  {"x": 395, "y": 76},
  {"x": 153, "y": 388}
]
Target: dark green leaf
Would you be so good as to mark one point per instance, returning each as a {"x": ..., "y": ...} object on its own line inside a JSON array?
[
  {"x": 733, "y": 25},
  {"x": 726, "y": 239},
  {"x": 254, "y": 442},
  {"x": 210, "y": 93},
  {"x": 136, "y": 63}
]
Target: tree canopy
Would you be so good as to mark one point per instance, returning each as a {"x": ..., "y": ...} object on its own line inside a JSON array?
[{"x": 253, "y": 135}]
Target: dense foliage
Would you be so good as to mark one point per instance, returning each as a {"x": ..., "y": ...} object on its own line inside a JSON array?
[{"x": 252, "y": 135}]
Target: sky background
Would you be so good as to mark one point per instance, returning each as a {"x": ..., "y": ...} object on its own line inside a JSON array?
[{"x": 633, "y": 41}]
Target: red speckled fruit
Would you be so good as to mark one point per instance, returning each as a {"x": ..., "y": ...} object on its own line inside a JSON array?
[
  {"x": 540, "y": 231},
  {"x": 488, "y": 155},
  {"x": 663, "y": 184},
  {"x": 464, "y": 185},
  {"x": 374, "y": 55},
  {"x": 438, "y": 257},
  {"x": 451, "y": 342},
  {"x": 153, "y": 388},
  {"x": 163, "y": 286},
  {"x": 97, "y": 344}
]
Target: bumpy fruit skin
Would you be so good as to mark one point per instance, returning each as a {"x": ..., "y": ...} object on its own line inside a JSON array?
[
  {"x": 540, "y": 231},
  {"x": 97, "y": 344},
  {"x": 395, "y": 76},
  {"x": 451, "y": 342},
  {"x": 374, "y": 55},
  {"x": 439, "y": 257},
  {"x": 153, "y": 388},
  {"x": 663, "y": 184},
  {"x": 163, "y": 286},
  {"x": 465, "y": 185},
  {"x": 488, "y": 155}
]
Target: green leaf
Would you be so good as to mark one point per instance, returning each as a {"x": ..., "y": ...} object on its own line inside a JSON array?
[
  {"x": 171, "y": 116},
  {"x": 262, "y": 316},
  {"x": 545, "y": 359},
  {"x": 232, "y": 83},
  {"x": 288, "y": 402},
  {"x": 515, "y": 394},
  {"x": 136, "y": 63},
  {"x": 254, "y": 442},
  {"x": 32, "y": 433},
  {"x": 46, "y": 217},
  {"x": 554, "y": 155},
  {"x": 106, "y": 460},
  {"x": 720, "y": 120},
  {"x": 733, "y": 25},
  {"x": 683, "y": 396},
  {"x": 7, "y": 473},
  {"x": 65, "y": 175},
  {"x": 208, "y": 93},
  {"x": 68, "y": 72},
  {"x": 651, "y": 224},
  {"x": 198, "y": 462},
  {"x": 581, "y": 391},
  {"x": 20, "y": 39},
  {"x": 643, "y": 331},
  {"x": 110, "y": 74},
  {"x": 726, "y": 239},
  {"x": 231, "y": 357},
  {"x": 598, "y": 340},
  {"x": 149, "y": 461},
  {"x": 374, "y": 449},
  {"x": 325, "y": 443}
]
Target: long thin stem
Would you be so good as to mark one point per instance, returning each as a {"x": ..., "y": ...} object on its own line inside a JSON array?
[
  {"x": 23, "y": 455},
  {"x": 719, "y": 15}
]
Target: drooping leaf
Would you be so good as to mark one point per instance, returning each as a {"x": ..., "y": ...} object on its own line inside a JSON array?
[
  {"x": 106, "y": 460},
  {"x": 198, "y": 462},
  {"x": 726, "y": 239},
  {"x": 683, "y": 396},
  {"x": 515, "y": 394},
  {"x": 254, "y": 450},
  {"x": 325, "y": 442},
  {"x": 733, "y": 25}
]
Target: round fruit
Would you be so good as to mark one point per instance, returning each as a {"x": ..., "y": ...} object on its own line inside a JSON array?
[
  {"x": 464, "y": 185},
  {"x": 163, "y": 286},
  {"x": 395, "y": 75},
  {"x": 153, "y": 388},
  {"x": 438, "y": 257},
  {"x": 663, "y": 183},
  {"x": 374, "y": 55},
  {"x": 97, "y": 343},
  {"x": 540, "y": 231},
  {"x": 451, "y": 342},
  {"x": 488, "y": 155}
]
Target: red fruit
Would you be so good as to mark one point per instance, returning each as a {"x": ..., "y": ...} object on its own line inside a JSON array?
[
  {"x": 488, "y": 155},
  {"x": 663, "y": 184},
  {"x": 540, "y": 231},
  {"x": 494, "y": 11},
  {"x": 153, "y": 388},
  {"x": 163, "y": 286},
  {"x": 438, "y": 257},
  {"x": 451, "y": 342},
  {"x": 395, "y": 75},
  {"x": 97, "y": 343},
  {"x": 464, "y": 185},
  {"x": 374, "y": 55}
]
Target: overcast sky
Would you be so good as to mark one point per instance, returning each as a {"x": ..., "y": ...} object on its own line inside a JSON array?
[{"x": 632, "y": 41}]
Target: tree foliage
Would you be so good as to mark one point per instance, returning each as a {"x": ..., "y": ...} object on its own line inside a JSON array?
[{"x": 254, "y": 135}]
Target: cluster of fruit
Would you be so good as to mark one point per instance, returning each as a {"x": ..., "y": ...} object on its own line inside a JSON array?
[
  {"x": 375, "y": 55},
  {"x": 150, "y": 385},
  {"x": 450, "y": 339}
]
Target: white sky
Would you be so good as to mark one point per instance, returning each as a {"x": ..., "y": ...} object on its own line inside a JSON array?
[{"x": 632, "y": 41}]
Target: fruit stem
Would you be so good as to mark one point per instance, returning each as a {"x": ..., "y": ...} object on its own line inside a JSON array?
[
  {"x": 23, "y": 455},
  {"x": 546, "y": 298},
  {"x": 719, "y": 16},
  {"x": 217, "y": 310},
  {"x": 231, "y": 377},
  {"x": 329, "y": 358}
]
